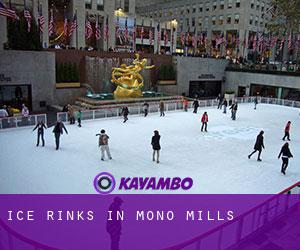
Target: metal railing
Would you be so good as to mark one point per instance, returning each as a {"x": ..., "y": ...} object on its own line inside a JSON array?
[
  {"x": 21, "y": 121},
  {"x": 232, "y": 233}
]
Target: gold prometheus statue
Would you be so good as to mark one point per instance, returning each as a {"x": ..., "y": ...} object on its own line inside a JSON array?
[{"x": 128, "y": 79}]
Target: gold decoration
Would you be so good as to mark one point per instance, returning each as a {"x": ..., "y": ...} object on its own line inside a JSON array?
[{"x": 128, "y": 79}]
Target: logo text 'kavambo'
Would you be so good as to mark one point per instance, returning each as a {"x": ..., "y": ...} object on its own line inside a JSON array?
[
  {"x": 105, "y": 183},
  {"x": 152, "y": 183}
]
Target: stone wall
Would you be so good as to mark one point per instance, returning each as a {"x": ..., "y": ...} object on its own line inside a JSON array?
[{"x": 31, "y": 68}]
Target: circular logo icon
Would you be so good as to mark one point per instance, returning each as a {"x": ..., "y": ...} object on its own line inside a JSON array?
[{"x": 104, "y": 183}]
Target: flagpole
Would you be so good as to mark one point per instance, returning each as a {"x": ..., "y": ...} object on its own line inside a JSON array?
[{"x": 76, "y": 30}]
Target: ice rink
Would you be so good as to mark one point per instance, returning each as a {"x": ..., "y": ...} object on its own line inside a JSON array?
[{"x": 217, "y": 161}]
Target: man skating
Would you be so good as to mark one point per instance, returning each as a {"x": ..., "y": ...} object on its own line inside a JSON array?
[
  {"x": 195, "y": 106},
  {"x": 156, "y": 145},
  {"x": 146, "y": 109},
  {"x": 286, "y": 154},
  {"x": 259, "y": 145},
  {"x": 219, "y": 99},
  {"x": 125, "y": 113},
  {"x": 204, "y": 121},
  {"x": 58, "y": 131},
  {"x": 287, "y": 131},
  {"x": 234, "y": 108},
  {"x": 103, "y": 144},
  {"x": 40, "y": 132},
  {"x": 255, "y": 102},
  {"x": 162, "y": 108}
]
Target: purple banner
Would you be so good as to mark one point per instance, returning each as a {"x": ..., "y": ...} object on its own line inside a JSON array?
[{"x": 149, "y": 222}]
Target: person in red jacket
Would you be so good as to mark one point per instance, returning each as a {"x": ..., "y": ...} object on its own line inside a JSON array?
[
  {"x": 287, "y": 131},
  {"x": 204, "y": 121}
]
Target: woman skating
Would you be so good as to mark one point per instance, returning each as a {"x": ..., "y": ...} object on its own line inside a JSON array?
[
  {"x": 156, "y": 145},
  {"x": 259, "y": 145},
  {"x": 285, "y": 154},
  {"x": 40, "y": 132}
]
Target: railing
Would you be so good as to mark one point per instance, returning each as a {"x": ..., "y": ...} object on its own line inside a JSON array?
[
  {"x": 230, "y": 234},
  {"x": 21, "y": 121}
]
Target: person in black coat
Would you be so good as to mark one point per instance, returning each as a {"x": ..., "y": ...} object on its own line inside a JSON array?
[
  {"x": 234, "y": 108},
  {"x": 156, "y": 145},
  {"x": 286, "y": 154},
  {"x": 146, "y": 108},
  {"x": 225, "y": 104},
  {"x": 196, "y": 106},
  {"x": 58, "y": 130},
  {"x": 40, "y": 133},
  {"x": 125, "y": 113},
  {"x": 259, "y": 145}
]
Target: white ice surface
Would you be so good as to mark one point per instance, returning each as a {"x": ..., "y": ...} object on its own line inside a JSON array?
[{"x": 217, "y": 161}]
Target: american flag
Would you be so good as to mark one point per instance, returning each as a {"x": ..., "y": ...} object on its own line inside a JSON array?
[
  {"x": 220, "y": 40},
  {"x": 106, "y": 30},
  {"x": 88, "y": 28},
  {"x": 151, "y": 34},
  {"x": 255, "y": 42},
  {"x": 194, "y": 39},
  {"x": 4, "y": 11},
  {"x": 166, "y": 36},
  {"x": 65, "y": 26},
  {"x": 74, "y": 25},
  {"x": 126, "y": 34},
  {"x": 182, "y": 38},
  {"x": 51, "y": 23},
  {"x": 282, "y": 43},
  {"x": 273, "y": 42},
  {"x": 290, "y": 44},
  {"x": 118, "y": 31},
  {"x": 97, "y": 30},
  {"x": 27, "y": 17},
  {"x": 142, "y": 32},
  {"x": 261, "y": 42},
  {"x": 41, "y": 19}
]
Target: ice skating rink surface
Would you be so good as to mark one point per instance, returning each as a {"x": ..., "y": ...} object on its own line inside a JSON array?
[{"x": 217, "y": 160}]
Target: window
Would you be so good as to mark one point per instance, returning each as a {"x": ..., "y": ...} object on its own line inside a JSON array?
[
  {"x": 194, "y": 8},
  {"x": 88, "y": 4},
  {"x": 238, "y": 3},
  {"x": 182, "y": 11},
  {"x": 252, "y": 4},
  {"x": 221, "y": 20},
  {"x": 261, "y": 24},
  {"x": 213, "y": 20},
  {"x": 236, "y": 18},
  {"x": 188, "y": 10},
  {"x": 200, "y": 21},
  {"x": 193, "y": 21},
  {"x": 222, "y": 5},
  {"x": 100, "y": 4},
  {"x": 187, "y": 22},
  {"x": 229, "y": 19},
  {"x": 257, "y": 5},
  {"x": 229, "y": 4},
  {"x": 256, "y": 21},
  {"x": 206, "y": 22},
  {"x": 262, "y": 7},
  {"x": 126, "y": 6},
  {"x": 201, "y": 8},
  {"x": 207, "y": 6},
  {"x": 215, "y": 5},
  {"x": 251, "y": 20}
]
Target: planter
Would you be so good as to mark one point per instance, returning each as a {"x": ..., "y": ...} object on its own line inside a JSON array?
[
  {"x": 166, "y": 82},
  {"x": 229, "y": 97}
]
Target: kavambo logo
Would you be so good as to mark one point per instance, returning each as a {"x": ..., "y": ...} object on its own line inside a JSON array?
[{"x": 105, "y": 183}]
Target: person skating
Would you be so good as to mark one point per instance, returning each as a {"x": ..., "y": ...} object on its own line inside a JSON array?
[
  {"x": 146, "y": 108},
  {"x": 58, "y": 131},
  {"x": 125, "y": 113},
  {"x": 195, "y": 106},
  {"x": 255, "y": 102},
  {"x": 103, "y": 144},
  {"x": 287, "y": 131},
  {"x": 79, "y": 117},
  {"x": 204, "y": 121},
  {"x": 219, "y": 99},
  {"x": 185, "y": 105},
  {"x": 71, "y": 113},
  {"x": 286, "y": 154},
  {"x": 40, "y": 132},
  {"x": 225, "y": 104},
  {"x": 155, "y": 142},
  {"x": 259, "y": 145},
  {"x": 234, "y": 108},
  {"x": 162, "y": 108}
]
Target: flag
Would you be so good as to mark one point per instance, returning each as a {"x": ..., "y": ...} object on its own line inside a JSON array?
[
  {"x": 255, "y": 42},
  {"x": 273, "y": 41},
  {"x": 97, "y": 30},
  {"x": 194, "y": 39},
  {"x": 166, "y": 36},
  {"x": 151, "y": 34},
  {"x": 118, "y": 31},
  {"x": 142, "y": 32},
  {"x": 88, "y": 28},
  {"x": 182, "y": 38},
  {"x": 282, "y": 43},
  {"x": 220, "y": 40},
  {"x": 4, "y": 11},
  {"x": 126, "y": 34},
  {"x": 51, "y": 23},
  {"x": 27, "y": 17},
  {"x": 73, "y": 26},
  {"x": 65, "y": 25},
  {"x": 41, "y": 19},
  {"x": 134, "y": 35},
  {"x": 260, "y": 43},
  {"x": 106, "y": 30}
]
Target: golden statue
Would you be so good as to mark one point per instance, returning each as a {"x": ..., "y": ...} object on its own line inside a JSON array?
[{"x": 128, "y": 79}]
